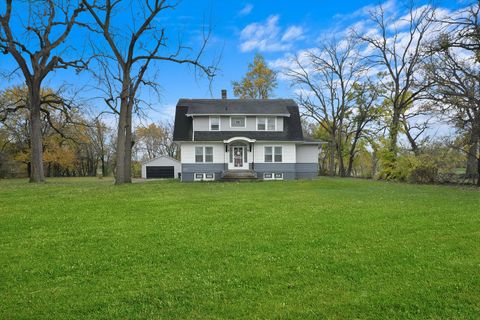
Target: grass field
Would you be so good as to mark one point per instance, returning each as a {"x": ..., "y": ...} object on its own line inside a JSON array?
[{"x": 330, "y": 248}]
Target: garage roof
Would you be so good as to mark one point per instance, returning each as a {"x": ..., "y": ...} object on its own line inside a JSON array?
[{"x": 159, "y": 157}]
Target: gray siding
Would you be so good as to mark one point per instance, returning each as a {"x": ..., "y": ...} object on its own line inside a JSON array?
[
  {"x": 306, "y": 170},
  {"x": 288, "y": 169},
  {"x": 188, "y": 170}
]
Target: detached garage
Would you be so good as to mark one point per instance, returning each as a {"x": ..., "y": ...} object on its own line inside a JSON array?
[{"x": 163, "y": 167}]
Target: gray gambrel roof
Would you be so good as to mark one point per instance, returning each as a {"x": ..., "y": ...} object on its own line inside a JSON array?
[
  {"x": 186, "y": 108},
  {"x": 237, "y": 106}
]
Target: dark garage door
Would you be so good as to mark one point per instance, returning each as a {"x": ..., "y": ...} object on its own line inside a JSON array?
[{"x": 160, "y": 172}]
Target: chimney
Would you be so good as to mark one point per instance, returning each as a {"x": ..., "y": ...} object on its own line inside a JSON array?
[{"x": 224, "y": 94}]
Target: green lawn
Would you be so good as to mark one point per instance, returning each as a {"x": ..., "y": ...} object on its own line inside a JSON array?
[{"x": 330, "y": 248}]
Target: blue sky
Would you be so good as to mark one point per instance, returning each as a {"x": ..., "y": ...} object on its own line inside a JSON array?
[{"x": 239, "y": 30}]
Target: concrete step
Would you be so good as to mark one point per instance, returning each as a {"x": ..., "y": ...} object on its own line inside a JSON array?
[{"x": 237, "y": 175}]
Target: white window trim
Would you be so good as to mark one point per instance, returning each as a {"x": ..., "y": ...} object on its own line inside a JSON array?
[
  {"x": 281, "y": 178},
  {"x": 273, "y": 176},
  {"x": 244, "y": 122},
  {"x": 265, "y": 178},
  {"x": 209, "y": 179},
  {"x": 204, "y": 154},
  {"x": 204, "y": 176},
  {"x": 213, "y": 152},
  {"x": 273, "y": 153},
  {"x": 210, "y": 123},
  {"x": 266, "y": 123}
]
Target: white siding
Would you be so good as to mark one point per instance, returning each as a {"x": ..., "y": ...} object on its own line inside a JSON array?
[
  {"x": 280, "y": 123},
  {"x": 202, "y": 123},
  {"x": 307, "y": 153},
  {"x": 188, "y": 151},
  {"x": 161, "y": 162},
  {"x": 288, "y": 151}
]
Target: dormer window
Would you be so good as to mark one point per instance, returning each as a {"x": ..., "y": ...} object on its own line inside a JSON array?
[
  {"x": 237, "y": 122},
  {"x": 214, "y": 123},
  {"x": 266, "y": 124}
]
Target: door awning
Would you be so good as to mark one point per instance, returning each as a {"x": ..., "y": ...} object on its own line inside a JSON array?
[{"x": 239, "y": 139}]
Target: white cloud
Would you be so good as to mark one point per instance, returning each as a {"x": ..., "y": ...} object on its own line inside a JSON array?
[
  {"x": 246, "y": 10},
  {"x": 293, "y": 33},
  {"x": 268, "y": 36}
]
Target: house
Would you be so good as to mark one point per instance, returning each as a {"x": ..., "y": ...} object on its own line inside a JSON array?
[
  {"x": 243, "y": 138},
  {"x": 161, "y": 167}
]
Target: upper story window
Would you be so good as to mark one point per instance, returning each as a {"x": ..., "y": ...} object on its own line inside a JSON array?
[
  {"x": 273, "y": 154},
  {"x": 203, "y": 154},
  {"x": 238, "y": 122},
  {"x": 266, "y": 124},
  {"x": 214, "y": 123}
]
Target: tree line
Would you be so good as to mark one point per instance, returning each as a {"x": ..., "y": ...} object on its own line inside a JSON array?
[
  {"x": 376, "y": 94},
  {"x": 121, "y": 56},
  {"x": 373, "y": 95},
  {"x": 75, "y": 142}
]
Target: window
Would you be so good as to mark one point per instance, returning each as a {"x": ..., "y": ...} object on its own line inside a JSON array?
[
  {"x": 273, "y": 154},
  {"x": 268, "y": 154},
  {"x": 271, "y": 125},
  {"x": 273, "y": 176},
  {"x": 214, "y": 123},
  {"x": 204, "y": 176},
  {"x": 266, "y": 124},
  {"x": 237, "y": 122},
  {"x": 200, "y": 152},
  {"x": 278, "y": 154},
  {"x": 208, "y": 154},
  {"x": 209, "y": 176},
  {"x": 261, "y": 124}
]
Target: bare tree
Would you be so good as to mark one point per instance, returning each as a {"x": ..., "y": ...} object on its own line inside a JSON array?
[
  {"x": 399, "y": 52},
  {"x": 366, "y": 110},
  {"x": 131, "y": 54},
  {"x": 455, "y": 70},
  {"x": 155, "y": 140},
  {"x": 50, "y": 23},
  {"x": 325, "y": 79}
]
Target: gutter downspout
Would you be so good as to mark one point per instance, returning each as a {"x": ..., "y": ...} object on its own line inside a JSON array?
[{"x": 193, "y": 129}]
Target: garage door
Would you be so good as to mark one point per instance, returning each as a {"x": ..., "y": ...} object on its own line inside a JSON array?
[{"x": 160, "y": 172}]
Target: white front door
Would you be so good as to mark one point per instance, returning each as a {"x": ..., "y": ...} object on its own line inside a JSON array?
[{"x": 237, "y": 158}]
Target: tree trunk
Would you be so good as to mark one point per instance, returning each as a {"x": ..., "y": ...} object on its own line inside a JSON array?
[
  {"x": 341, "y": 165},
  {"x": 351, "y": 157},
  {"x": 120, "y": 166},
  {"x": 472, "y": 156},
  {"x": 128, "y": 142},
  {"x": 331, "y": 165},
  {"x": 351, "y": 154},
  {"x": 37, "y": 174},
  {"x": 374, "y": 164},
  {"x": 394, "y": 129},
  {"x": 413, "y": 143},
  {"x": 102, "y": 161}
]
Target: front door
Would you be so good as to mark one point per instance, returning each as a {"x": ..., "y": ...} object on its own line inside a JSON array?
[{"x": 238, "y": 154}]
